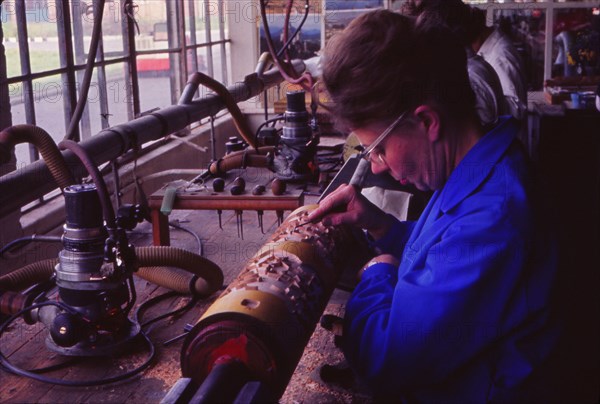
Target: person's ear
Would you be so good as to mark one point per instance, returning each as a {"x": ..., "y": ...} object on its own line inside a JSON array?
[{"x": 430, "y": 121}]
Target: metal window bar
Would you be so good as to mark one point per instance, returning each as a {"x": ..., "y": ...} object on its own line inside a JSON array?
[
  {"x": 46, "y": 73},
  {"x": 183, "y": 65},
  {"x": 102, "y": 90},
  {"x": 5, "y": 110},
  {"x": 28, "y": 96},
  {"x": 132, "y": 89},
  {"x": 221, "y": 19},
  {"x": 174, "y": 42},
  {"x": 67, "y": 59},
  {"x": 208, "y": 35},
  {"x": 85, "y": 129},
  {"x": 73, "y": 57},
  {"x": 193, "y": 40}
]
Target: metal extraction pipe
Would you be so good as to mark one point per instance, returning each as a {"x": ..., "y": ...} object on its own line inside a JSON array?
[{"x": 25, "y": 185}]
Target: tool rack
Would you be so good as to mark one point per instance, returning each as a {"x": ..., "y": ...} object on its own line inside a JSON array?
[{"x": 207, "y": 199}]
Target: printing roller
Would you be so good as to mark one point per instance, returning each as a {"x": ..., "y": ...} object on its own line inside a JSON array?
[{"x": 265, "y": 317}]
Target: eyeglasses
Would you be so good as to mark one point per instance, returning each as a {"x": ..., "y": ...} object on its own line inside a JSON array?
[{"x": 369, "y": 153}]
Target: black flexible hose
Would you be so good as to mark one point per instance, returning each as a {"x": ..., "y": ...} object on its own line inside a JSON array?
[
  {"x": 89, "y": 70},
  {"x": 289, "y": 41}
]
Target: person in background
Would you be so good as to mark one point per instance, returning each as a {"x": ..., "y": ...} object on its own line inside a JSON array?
[
  {"x": 497, "y": 49},
  {"x": 454, "y": 308},
  {"x": 489, "y": 42}
]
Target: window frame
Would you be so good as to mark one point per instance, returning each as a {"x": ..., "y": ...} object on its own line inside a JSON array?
[{"x": 72, "y": 55}]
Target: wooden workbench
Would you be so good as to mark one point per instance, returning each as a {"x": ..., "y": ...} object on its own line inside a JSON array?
[{"x": 25, "y": 344}]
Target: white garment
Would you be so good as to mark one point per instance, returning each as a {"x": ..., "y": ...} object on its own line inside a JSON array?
[
  {"x": 489, "y": 97},
  {"x": 314, "y": 66},
  {"x": 390, "y": 201},
  {"x": 499, "y": 52}
]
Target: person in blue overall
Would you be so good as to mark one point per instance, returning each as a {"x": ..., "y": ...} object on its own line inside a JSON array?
[{"x": 455, "y": 308}]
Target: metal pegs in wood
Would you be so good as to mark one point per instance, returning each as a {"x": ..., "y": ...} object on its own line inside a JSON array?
[
  {"x": 260, "y": 214},
  {"x": 240, "y": 223}
]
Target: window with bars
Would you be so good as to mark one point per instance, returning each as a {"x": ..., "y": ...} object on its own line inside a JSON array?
[
  {"x": 146, "y": 50},
  {"x": 149, "y": 47}
]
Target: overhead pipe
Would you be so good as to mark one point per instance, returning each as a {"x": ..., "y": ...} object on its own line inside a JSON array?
[{"x": 21, "y": 187}]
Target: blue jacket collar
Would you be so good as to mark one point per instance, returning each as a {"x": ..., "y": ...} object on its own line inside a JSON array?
[{"x": 478, "y": 163}]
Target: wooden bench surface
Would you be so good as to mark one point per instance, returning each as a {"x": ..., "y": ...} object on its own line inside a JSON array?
[{"x": 24, "y": 345}]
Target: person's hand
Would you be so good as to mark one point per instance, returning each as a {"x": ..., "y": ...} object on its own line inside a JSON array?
[{"x": 346, "y": 205}]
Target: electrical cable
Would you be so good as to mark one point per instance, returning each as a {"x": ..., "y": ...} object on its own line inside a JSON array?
[
  {"x": 265, "y": 123},
  {"x": 58, "y": 366},
  {"x": 153, "y": 300},
  {"x": 26, "y": 240},
  {"x": 185, "y": 229},
  {"x": 69, "y": 383},
  {"x": 130, "y": 9},
  {"x": 289, "y": 41},
  {"x": 156, "y": 299},
  {"x": 286, "y": 27},
  {"x": 285, "y": 69}
]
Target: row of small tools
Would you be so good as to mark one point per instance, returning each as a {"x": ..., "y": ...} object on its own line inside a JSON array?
[{"x": 238, "y": 187}]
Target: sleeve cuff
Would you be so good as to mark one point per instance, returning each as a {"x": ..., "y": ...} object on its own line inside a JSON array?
[{"x": 381, "y": 268}]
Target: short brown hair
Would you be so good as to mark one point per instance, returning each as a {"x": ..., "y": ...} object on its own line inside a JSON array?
[{"x": 382, "y": 65}]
